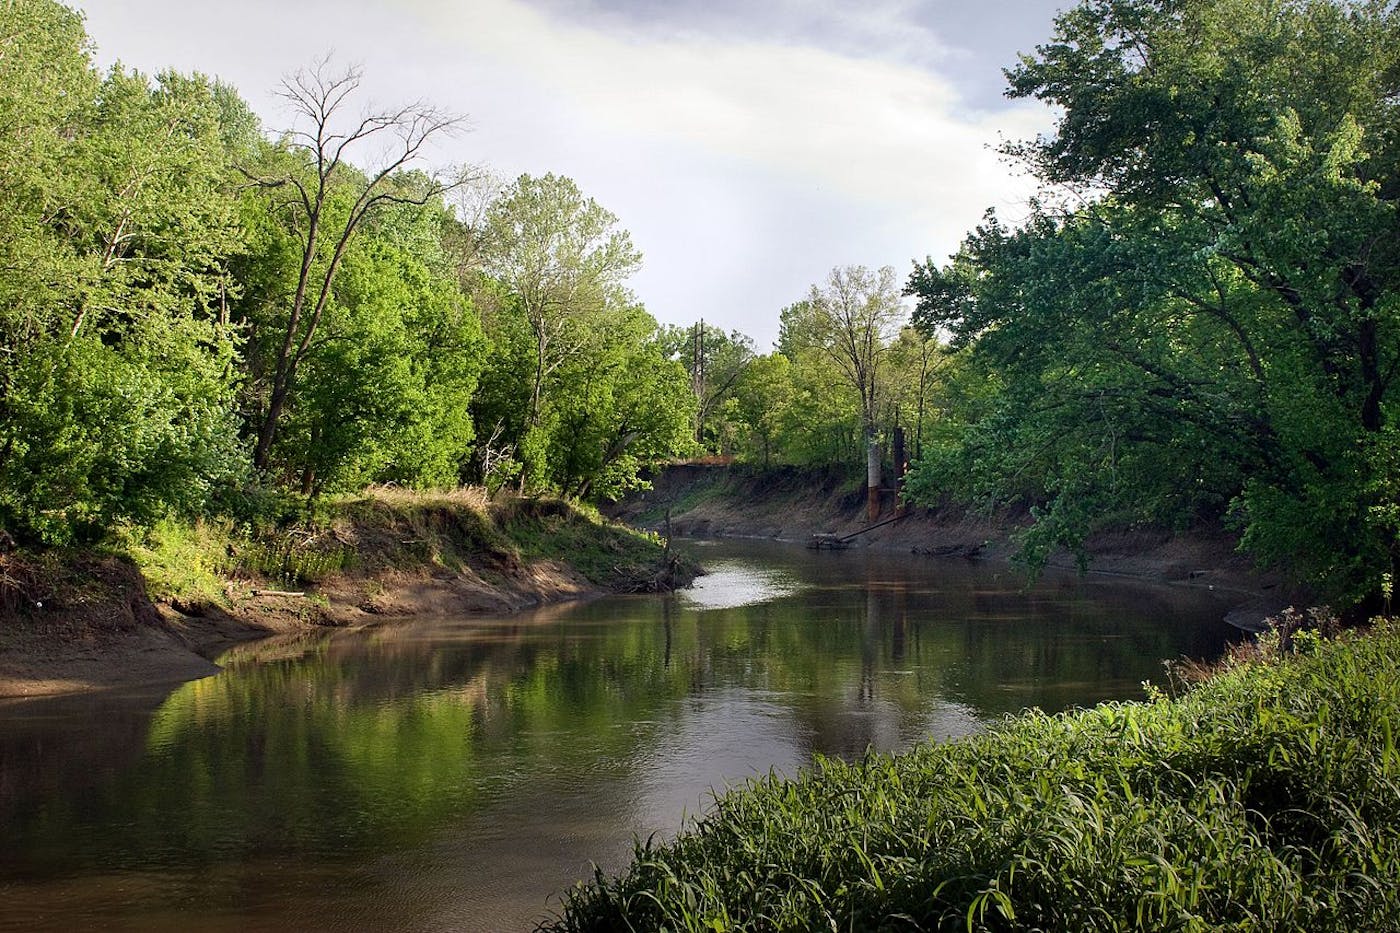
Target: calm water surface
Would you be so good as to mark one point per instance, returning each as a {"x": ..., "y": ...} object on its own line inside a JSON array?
[{"x": 455, "y": 774}]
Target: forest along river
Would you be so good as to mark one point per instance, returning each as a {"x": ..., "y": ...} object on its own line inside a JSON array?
[{"x": 458, "y": 773}]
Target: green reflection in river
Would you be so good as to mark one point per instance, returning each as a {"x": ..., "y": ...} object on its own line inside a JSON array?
[{"x": 567, "y": 730}]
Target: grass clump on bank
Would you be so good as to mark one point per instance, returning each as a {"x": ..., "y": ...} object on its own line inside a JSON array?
[
  {"x": 1267, "y": 798},
  {"x": 196, "y": 562},
  {"x": 386, "y": 529},
  {"x": 607, "y": 554}
]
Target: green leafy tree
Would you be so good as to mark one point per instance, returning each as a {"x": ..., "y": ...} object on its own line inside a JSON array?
[
  {"x": 562, "y": 261},
  {"x": 852, "y": 319},
  {"x": 559, "y": 264},
  {"x": 386, "y": 387},
  {"x": 116, "y": 383},
  {"x": 623, "y": 405},
  {"x": 50, "y": 91},
  {"x": 1215, "y": 321},
  {"x": 763, "y": 393},
  {"x": 916, "y": 366},
  {"x": 715, "y": 362},
  {"x": 1106, "y": 395},
  {"x": 327, "y": 202},
  {"x": 498, "y": 408},
  {"x": 821, "y": 423}
]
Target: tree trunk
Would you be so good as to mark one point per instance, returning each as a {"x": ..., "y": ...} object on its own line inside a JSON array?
[
  {"x": 1372, "y": 419},
  {"x": 263, "y": 452},
  {"x": 536, "y": 388},
  {"x": 872, "y": 474},
  {"x": 899, "y": 464}
]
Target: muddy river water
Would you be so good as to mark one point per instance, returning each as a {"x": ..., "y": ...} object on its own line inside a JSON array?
[{"x": 457, "y": 773}]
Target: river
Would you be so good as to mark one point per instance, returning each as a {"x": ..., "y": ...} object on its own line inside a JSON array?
[{"x": 456, "y": 774}]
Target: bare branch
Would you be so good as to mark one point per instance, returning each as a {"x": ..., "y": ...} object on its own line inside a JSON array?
[{"x": 318, "y": 95}]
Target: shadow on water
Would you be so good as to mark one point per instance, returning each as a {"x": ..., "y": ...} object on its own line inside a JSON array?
[{"x": 456, "y": 772}]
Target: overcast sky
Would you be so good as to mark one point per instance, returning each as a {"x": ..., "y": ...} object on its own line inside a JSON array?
[{"x": 748, "y": 146}]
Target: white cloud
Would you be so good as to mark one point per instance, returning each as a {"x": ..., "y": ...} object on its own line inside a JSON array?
[
  {"x": 744, "y": 169},
  {"x": 862, "y": 127}
]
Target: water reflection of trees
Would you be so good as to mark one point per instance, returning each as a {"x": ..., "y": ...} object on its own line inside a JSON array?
[{"x": 379, "y": 740}]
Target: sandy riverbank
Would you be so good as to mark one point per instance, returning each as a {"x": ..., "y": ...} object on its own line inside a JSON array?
[{"x": 122, "y": 637}]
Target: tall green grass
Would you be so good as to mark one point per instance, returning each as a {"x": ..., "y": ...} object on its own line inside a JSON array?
[
  {"x": 1265, "y": 799},
  {"x": 384, "y": 529},
  {"x": 180, "y": 560},
  {"x": 194, "y": 562}
]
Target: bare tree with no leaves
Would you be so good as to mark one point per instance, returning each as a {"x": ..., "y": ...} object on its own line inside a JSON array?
[{"x": 323, "y": 133}]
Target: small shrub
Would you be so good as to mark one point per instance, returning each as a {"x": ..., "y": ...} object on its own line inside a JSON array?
[
  {"x": 291, "y": 557},
  {"x": 184, "y": 561}
]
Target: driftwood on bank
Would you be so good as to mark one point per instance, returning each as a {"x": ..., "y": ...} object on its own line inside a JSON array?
[{"x": 837, "y": 542}]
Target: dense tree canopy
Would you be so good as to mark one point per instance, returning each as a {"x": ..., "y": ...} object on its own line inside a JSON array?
[
  {"x": 1195, "y": 322},
  {"x": 579, "y": 390},
  {"x": 715, "y": 362},
  {"x": 191, "y": 309},
  {"x": 327, "y": 201},
  {"x": 116, "y": 226},
  {"x": 1211, "y": 327},
  {"x": 563, "y": 261}
]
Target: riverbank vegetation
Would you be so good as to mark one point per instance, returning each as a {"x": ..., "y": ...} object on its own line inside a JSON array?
[
  {"x": 1194, "y": 323},
  {"x": 381, "y": 530},
  {"x": 1263, "y": 799},
  {"x": 154, "y": 605},
  {"x": 211, "y": 330}
]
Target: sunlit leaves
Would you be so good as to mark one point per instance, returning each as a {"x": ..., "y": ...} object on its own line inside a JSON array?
[
  {"x": 1204, "y": 327},
  {"x": 116, "y": 378}
]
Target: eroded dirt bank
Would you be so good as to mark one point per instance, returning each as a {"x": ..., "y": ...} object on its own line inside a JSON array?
[
  {"x": 80, "y": 621},
  {"x": 792, "y": 504}
]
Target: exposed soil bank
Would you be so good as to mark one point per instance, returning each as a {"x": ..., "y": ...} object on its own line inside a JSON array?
[
  {"x": 793, "y": 504},
  {"x": 81, "y": 621}
]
